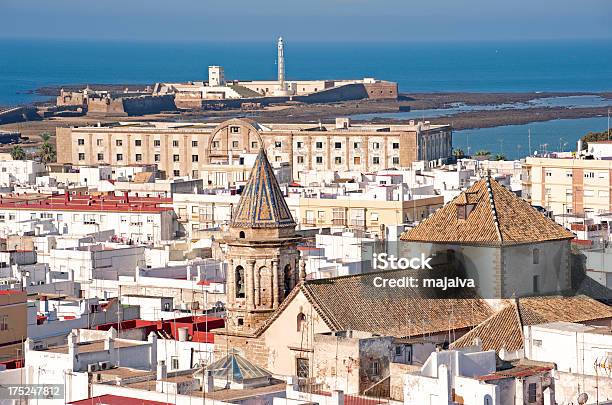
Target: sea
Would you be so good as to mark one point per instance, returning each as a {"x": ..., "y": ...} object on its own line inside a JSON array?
[{"x": 477, "y": 66}]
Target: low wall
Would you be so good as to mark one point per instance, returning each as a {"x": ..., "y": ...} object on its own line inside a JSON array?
[{"x": 18, "y": 114}]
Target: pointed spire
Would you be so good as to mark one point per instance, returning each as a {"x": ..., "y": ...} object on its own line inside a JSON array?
[{"x": 262, "y": 204}]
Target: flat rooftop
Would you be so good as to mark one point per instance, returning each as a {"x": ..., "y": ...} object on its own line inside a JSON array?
[
  {"x": 93, "y": 346},
  {"x": 574, "y": 327},
  {"x": 90, "y": 203},
  {"x": 309, "y": 127}
]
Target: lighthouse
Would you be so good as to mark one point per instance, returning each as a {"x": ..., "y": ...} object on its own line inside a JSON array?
[
  {"x": 281, "y": 90},
  {"x": 281, "y": 63}
]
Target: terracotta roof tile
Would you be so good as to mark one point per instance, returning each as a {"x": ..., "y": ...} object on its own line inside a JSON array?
[
  {"x": 354, "y": 303},
  {"x": 262, "y": 204},
  {"x": 504, "y": 330},
  {"x": 494, "y": 216}
]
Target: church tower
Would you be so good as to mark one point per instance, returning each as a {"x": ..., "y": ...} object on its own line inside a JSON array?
[{"x": 262, "y": 256}]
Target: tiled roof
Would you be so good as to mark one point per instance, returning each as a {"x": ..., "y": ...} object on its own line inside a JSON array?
[
  {"x": 497, "y": 217},
  {"x": 262, "y": 204},
  {"x": 354, "y": 303},
  {"x": 504, "y": 330}
]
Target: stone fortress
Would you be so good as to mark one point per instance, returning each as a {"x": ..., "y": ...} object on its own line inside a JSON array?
[
  {"x": 195, "y": 95},
  {"x": 219, "y": 93}
]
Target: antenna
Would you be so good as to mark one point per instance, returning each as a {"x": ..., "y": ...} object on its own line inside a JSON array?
[
  {"x": 608, "y": 123},
  {"x": 529, "y": 137}
]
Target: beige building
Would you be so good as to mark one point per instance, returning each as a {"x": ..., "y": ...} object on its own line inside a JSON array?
[
  {"x": 197, "y": 213},
  {"x": 569, "y": 186},
  {"x": 369, "y": 215},
  {"x": 13, "y": 325},
  {"x": 185, "y": 149}
]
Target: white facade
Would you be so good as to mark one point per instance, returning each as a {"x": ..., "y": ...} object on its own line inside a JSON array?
[
  {"x": 20, "y": 172},
  {"x": 96, "y": 261},
  {"x": 582, "y": 346},
  {"x": 137, "y": 227}
]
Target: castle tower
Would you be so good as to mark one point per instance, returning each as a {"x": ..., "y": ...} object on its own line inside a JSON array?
[{"x": 262, "y": 256}]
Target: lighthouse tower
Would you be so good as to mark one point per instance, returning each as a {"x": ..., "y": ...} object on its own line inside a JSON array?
[{"x": 281, "y": 90}]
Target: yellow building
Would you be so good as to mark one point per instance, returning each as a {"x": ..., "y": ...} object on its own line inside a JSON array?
[{"x": 568, "y": 186}]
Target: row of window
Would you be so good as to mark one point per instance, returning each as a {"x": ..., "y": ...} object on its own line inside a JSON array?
[
  {"x": 588, "y": 193},
  {"x": 356, "y": 160},
  {"x": 587, "y": 175},
  {"x": 87, "y": 218},
  {"x": 337, "y": 214},
  {"x": 300, "y": 145},
  {"x": 338, "y": 145},
  {"x": 137, "y": 142},
  {"x": 138, "y": 157},
  {"x": 236, "y": 144}
]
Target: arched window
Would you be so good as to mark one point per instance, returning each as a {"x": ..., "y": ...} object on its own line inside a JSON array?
[
  {"x": 301, "y": 320},
  {"x": 239, "y": 282},
  {"x": 287, "y": 282},
  {"x": 241, "y": 235}
]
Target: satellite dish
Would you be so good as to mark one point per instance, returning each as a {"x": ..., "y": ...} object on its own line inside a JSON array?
[{"x": 583, "y": 398}]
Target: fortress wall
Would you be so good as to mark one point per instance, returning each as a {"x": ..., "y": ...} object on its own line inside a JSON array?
[
  {"x": 381, "y": 90},
  {"x": 148, "y": 104},
  {"x": 18, "y": 114},
  {"x": 105, "y": 106},
  {"x": 355, "y": 91}
]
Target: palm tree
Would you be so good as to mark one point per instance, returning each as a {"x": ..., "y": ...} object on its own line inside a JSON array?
[
  {"x": 458, "y": 153},
  {"x": 47, "y": 150},
  {"x": 500, "y": 156},
  {"x": 483, "y": 153},
  {"x": 17, "y": 153}
]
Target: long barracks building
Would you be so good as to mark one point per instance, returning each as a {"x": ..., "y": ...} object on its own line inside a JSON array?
[{"x": 183, "y": 149}]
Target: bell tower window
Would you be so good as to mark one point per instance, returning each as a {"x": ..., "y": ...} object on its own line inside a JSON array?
[
  {"x": 301, "y": 319},
  {"x": 239, "y": 280},
  {"x": 287, "y": 282}
]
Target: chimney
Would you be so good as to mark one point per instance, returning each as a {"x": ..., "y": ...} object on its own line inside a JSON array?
[
  {"x": 109, "y": 343},
  {"x": 72, "y": 343},
  {"x": 162, "y": 370},
  {"x": 208, "y": 383},
  {"x": 337, "y": 397}
]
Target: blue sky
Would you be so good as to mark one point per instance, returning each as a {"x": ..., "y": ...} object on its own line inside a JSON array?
[{"x": 306, "y": 20}]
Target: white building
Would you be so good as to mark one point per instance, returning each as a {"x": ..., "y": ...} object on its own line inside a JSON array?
[
  {"x": 70, "y": 365},
  {"x": 452, "y": 377},
  {"x": 96, "y": 261},
  {"x": 133, "y": 219},
  {"x": 585, "y": 364},
  {"x": 20, "y": 172}
]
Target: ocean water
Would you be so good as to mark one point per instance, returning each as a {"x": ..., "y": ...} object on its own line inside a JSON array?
[
  {"x": 417, "y": 67},
  {"x": 513, "y": 140}
]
